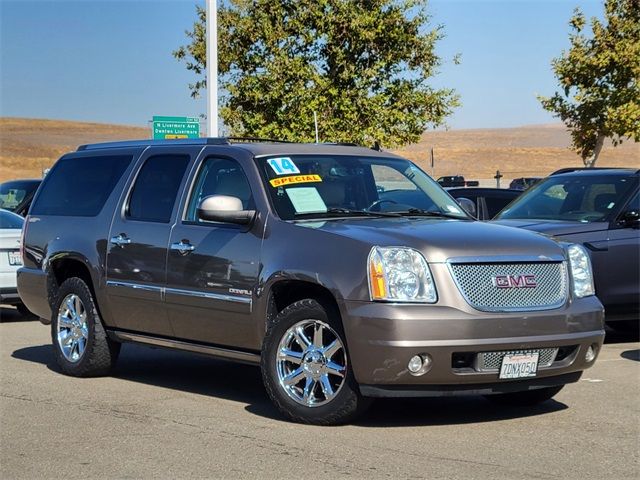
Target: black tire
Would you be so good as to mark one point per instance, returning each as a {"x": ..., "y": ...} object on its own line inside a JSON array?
[
  {"x": 100, "y": 353},
  {"x": 525, "y": 399},
  {"x": 24, "y": 311},
  {"x": 345, "y": 406}
]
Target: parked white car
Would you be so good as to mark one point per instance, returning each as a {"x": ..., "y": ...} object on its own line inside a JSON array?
[{"x": 10, "y": 258}]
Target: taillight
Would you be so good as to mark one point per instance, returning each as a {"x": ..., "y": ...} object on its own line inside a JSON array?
[{"x": 23, "y": 234}]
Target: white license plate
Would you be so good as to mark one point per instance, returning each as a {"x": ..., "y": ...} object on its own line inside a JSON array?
[
  {"x": 519, "y": 365},
  {"x": 15, "y": 258}
]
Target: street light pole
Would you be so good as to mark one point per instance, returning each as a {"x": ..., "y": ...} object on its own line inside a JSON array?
[{"x": 212, "y": 68}]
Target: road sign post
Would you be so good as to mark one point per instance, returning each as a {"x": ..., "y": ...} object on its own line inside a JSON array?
[{"x": 164, "y": 128}]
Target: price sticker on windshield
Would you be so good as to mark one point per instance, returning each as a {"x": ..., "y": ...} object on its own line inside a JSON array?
[{"x": 283, "y": 166}]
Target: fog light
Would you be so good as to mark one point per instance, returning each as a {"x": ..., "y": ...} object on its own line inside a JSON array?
[
  {"x": 590, "y": 356},
  {"x": 419, "y": 364},
  {"x": 415, "y": 364}
]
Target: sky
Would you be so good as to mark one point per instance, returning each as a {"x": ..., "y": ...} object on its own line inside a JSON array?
[{"x": 110, "y": 61}]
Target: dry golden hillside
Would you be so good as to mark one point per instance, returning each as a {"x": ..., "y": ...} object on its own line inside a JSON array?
[
  {"x": 27, "y": 146},
  {"x": 517, "y": 152}
]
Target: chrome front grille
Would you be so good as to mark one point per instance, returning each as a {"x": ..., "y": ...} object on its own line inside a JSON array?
[
  {"x": 477, "y": 283},
  {"x": 491, "y": 361}
]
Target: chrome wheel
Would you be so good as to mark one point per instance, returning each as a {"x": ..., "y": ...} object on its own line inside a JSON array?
[
  {"x": 73, "y": 331},
  {"x": 311, "y": 362}
]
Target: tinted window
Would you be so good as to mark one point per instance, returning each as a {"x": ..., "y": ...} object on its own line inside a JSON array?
[
  {"x": 156, "y": 187},
  {"x": 14, "y": 193},
  {"x": 10, "y": 221},
  {"x": 219, "y": 177},
  {"x": 582, "y": 198},
  {"x": 496, "y": 203},
  {"x": 79, "y": 186}
]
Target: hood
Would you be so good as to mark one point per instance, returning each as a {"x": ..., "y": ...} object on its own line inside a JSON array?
[
  {"x": 554, "y": 227},
  {"x": 443, "y": 239}
]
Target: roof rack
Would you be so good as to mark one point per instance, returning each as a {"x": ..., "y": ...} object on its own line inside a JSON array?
[
  {"x": 148, "y": 142},
  {"x": 195, "y": 141},
  {"x": 255, "y": 140}
]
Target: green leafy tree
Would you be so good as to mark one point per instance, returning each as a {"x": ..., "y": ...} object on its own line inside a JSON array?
[
  {"x": 363, "y": 66},
  {"x": 599, "y": 75}
]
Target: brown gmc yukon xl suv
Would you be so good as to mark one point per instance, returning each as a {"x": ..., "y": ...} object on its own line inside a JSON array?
[{"x": 345, "y": 273}]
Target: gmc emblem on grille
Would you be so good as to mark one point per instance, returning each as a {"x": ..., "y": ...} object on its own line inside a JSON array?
[{"x": 514, "y": 281}]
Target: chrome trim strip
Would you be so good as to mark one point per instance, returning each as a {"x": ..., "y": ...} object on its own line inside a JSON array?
[
  {"x": 213, "y": 296},
  {"x": 508, "y": 259},
  {"x": 246, "y": 357},
  {"x": 136, "y": 286},
  {"x": 517, "y": 342},
  {"x": 188, "y": 293}
]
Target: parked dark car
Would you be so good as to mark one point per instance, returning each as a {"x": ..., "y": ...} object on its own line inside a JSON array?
[
  {"x": 487, "y": 202},
  {"x": 457, "y": 181},
  {"x": 16, "y": 195},
  {"x": 600, "y": 209},
  {"x": 310, "y": 261},
  {"x": 523, "y": 183}
]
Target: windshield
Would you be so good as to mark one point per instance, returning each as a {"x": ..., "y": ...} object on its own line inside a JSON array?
[
  {"x": 584, "y": 198},
  {"x": 321, "y": 186}
]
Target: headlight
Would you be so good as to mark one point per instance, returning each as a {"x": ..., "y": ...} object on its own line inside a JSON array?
[
  {"x": 400, "y": 274},
  {"x": 581, "y": 272}
]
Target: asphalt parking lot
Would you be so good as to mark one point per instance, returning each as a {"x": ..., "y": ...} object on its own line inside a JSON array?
[{"x": 166, "y": 414}]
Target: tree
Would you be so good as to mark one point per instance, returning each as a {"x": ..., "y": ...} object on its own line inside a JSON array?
[
  {"x": 599, "y": 76},
  {"x": 363, "y": 66}
]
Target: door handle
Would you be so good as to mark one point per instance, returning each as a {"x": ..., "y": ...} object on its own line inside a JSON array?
[
  {"x": 184, "y": 247},
  {"x": 120, "y": 240}
]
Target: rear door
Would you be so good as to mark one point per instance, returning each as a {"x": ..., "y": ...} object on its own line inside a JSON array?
[
  {"x": 212, "y": 268},
  {"x": 138, "y": 241},
  {"x": 619, "y": 268}
]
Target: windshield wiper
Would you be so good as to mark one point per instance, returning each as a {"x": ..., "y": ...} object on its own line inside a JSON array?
[
  {"x": 348, "y": 212},
  {"x": 430, "y": 213}
]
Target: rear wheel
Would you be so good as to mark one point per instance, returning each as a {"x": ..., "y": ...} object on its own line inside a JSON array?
[
  {"x": 80, "y": 343},
  {"x": 525, "y": 399},
  {"x": 306, "y": 369}
]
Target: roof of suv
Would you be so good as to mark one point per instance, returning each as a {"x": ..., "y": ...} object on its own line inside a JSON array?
[
  {"x": 597, "y": 171},
  {"x": 254, "y": 145}
]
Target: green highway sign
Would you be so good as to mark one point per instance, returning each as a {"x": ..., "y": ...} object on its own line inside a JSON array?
[{"x": 175, "y": 127}]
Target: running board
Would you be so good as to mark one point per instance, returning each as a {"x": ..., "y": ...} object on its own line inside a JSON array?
[{"x": 225, "y": 353}]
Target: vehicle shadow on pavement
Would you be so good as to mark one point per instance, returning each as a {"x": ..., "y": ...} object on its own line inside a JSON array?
[
  {"x": 403, "y": 412},
  {"x": 10, "y": 314},
  {"x": 185, "y": 372},
  {"x": 631, "y": 355},
  {"x": 202, "y": 375}
]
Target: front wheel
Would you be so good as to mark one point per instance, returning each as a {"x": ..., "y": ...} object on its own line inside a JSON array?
[
  {"x": 80, "y": 343},
  {"x": 525, "y": 399},
  {"x": 305, "y": 367}
]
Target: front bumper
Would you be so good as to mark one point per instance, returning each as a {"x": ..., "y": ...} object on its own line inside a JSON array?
[{"x": 382, "y": 337}]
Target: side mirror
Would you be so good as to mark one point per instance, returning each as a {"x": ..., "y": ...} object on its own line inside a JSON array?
[
  {"x": 226, "y": 209},
  {"x": 631, "y": 219},
  {"x": 468, "y": 205}
]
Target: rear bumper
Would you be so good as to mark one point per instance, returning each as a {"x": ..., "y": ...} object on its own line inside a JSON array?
[{"x": 383, "y": 337}]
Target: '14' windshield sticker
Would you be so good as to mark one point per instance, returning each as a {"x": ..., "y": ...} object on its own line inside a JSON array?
[{"x": 283, "y": 166}]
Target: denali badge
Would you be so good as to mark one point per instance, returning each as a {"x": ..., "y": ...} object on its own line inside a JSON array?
[{"x": 514, "y": 281}]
